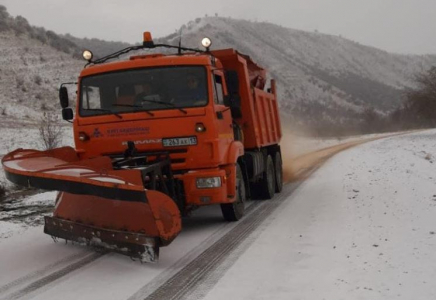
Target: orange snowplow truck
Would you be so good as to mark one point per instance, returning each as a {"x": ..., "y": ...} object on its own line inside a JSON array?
[{"x": 157, "y": 136}]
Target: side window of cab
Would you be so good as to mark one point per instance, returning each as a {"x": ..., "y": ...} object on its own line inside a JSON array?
[{"x": 218, "y": 90}]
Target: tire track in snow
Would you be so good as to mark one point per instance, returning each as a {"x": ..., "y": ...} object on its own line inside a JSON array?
[
  {"x": 39, "y": 273},
  {"x": 40, "y": 282},
  {"x": 191, "y": 276},
  {"x": 188, "y": 258}
]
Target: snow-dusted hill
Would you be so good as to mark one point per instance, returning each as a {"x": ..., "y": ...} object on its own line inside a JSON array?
[
  {"x": 98, "y": 47},
  {"x": 30, "y": 75},
  {"x": 34, "y": 62},
  {"x": 318, "y": 74},
  {"x": 320, "y": 77}
]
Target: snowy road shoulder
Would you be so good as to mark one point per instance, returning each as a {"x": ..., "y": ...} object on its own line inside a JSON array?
[
  {"x": 362, "y": 227},
  {"x": 26, "y": 212}
]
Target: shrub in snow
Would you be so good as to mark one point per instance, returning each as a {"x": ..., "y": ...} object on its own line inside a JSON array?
[
  {"x": 50, "y": 132},
  {"x": 2, "y": 190},
  {"x": 20, "y": 82},
  {"x": 38, "y": 80}
]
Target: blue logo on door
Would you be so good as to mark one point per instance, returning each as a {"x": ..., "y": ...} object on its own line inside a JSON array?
[{"x": 97, "y": 133}]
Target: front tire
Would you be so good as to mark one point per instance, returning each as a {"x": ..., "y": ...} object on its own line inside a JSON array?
[{"x": 235, "y": 211}]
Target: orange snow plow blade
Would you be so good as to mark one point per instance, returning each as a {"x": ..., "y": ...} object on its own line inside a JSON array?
[{"x": 100, "y": 205}]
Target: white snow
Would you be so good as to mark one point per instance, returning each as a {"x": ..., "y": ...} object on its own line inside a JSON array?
[
  {"x": 47, "y": 198},
  {"x": 8, "y": 229},
  {"x": 361, "y": 227},
  {"x": 26, "y": 136}
]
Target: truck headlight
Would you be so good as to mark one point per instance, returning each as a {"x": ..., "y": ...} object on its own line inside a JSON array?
[{"x": 209, "y": 182}]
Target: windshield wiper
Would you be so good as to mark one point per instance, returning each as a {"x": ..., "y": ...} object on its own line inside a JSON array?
[
  {"x": 106, "y": 110},
  {"x": 166, "y": 104},
  {"x": 136, "y": 106}
]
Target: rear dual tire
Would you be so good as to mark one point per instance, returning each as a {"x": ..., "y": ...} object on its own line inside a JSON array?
[
  {"x": 267, "y": 185},
  {"x": 278, "y": 169}
]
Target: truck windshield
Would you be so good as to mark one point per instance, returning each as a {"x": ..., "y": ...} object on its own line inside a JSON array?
[{"x": 143, "y": 90}]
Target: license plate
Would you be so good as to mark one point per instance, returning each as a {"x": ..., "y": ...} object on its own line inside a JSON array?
[{"x": 184, "y": 141}]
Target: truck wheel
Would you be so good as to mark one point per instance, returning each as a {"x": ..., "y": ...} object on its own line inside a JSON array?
[
  {"x": 268, "y": 184},
  {"x": 278, "y": 172},
  {"x": 234, "y": 211}
]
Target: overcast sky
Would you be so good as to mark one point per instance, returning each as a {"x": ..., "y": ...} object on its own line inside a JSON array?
[{"x": 402, "y": 26}]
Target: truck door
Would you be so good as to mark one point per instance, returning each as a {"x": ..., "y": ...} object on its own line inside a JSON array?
[{"x": 223, "y": 117}]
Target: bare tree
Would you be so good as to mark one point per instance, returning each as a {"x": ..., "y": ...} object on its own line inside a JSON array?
[{"x": 50, "y": 131}]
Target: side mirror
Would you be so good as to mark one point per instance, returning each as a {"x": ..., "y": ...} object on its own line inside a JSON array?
[
  {"x": 63, "y": 97},
  {"x": 232, "y": 81},
  {"x": 67, "y": 114}
]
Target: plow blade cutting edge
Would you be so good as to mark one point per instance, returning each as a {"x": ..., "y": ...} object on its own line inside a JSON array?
[{"x": 98, "y": 205}]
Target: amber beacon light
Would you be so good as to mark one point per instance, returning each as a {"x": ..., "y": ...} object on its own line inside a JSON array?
[{"x": 147, "y": 39}]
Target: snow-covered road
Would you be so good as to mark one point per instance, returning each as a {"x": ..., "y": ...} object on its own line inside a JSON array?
[{"x": 361, "y": 227}]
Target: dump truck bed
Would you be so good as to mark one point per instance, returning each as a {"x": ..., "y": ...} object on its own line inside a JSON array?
[{"x": 260, "y": 121}]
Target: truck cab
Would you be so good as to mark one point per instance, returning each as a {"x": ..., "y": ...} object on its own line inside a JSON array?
[{"x": 163, "y": 104}]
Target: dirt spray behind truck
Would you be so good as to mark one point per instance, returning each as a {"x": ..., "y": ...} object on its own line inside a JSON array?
[{"x": 157, "y": 136}]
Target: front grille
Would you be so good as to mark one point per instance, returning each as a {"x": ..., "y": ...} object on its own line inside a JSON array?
[{"x": 177, "y": 156}]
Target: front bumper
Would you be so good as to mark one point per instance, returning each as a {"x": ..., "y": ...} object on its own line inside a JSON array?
[{"x": 205, "y": 196}]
